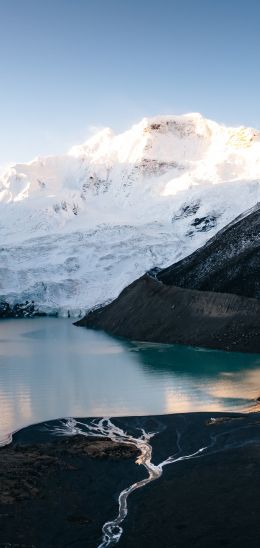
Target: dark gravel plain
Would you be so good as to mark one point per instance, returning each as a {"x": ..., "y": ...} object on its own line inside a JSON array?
[{"x": 58, "y": 492}]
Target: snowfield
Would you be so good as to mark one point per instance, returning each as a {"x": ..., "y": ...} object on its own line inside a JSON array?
[{"x": 76, "y": 229}]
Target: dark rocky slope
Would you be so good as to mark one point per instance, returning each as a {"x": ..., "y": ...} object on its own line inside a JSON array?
[
  {"x": 229, "y": 262},
  {"x": 148, "y": 310},
  {"x": 210, "y": 307}
]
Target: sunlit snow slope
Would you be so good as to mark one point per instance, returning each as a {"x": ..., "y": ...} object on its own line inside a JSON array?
[{"x": 76, "y": 229}]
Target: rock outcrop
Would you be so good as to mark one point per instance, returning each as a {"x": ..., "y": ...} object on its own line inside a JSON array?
[
  {"x": 229, "y": 262},
  {"x": 19, "y": 310}
]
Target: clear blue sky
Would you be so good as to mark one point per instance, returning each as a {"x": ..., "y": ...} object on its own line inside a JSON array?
[{"x": 70, "y": 64}]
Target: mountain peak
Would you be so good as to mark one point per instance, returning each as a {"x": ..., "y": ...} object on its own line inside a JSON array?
[
  {"x": 101, "y": 138},
  {"x": 121, "y": 203}
]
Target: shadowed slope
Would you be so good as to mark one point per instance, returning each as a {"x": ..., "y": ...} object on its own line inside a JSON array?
[
  {"x": 229, "y": 262},
  {"x": 148, "y": 310},
  {"x": 153, "y": 309}
]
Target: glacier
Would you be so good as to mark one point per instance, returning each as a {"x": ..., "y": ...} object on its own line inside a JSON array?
[{"x": 76, "y": 229}]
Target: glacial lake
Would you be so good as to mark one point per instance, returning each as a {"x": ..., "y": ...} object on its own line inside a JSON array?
[{"x": 49, "y": 369}]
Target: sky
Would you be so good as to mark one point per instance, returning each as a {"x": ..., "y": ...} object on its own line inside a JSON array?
[{"x": 68, "y": 66}]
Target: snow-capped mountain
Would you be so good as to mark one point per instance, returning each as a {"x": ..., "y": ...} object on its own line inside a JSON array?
[{"x": 77, "y": 228}]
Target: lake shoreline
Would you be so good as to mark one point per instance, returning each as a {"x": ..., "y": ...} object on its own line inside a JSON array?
[
  {"x": 149, "y": 310},
  {"x": 78, "y": 481},
  {"x": 50, "y": 369}
]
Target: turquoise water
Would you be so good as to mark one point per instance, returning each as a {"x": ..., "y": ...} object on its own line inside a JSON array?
[{"x": 50, "y": 368}]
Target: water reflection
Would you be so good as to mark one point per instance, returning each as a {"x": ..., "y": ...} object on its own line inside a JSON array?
[
  {"x": 50, "y": 369},
  {"x": 204, "y": 380}
]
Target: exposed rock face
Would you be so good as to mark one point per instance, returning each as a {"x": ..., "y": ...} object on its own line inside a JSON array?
[
  {"x": 19, "y": 310},
  {"x": 229, "y": 262},
  {"x": 154, "y": 309},
  {"x": 148, "y": 310}
]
